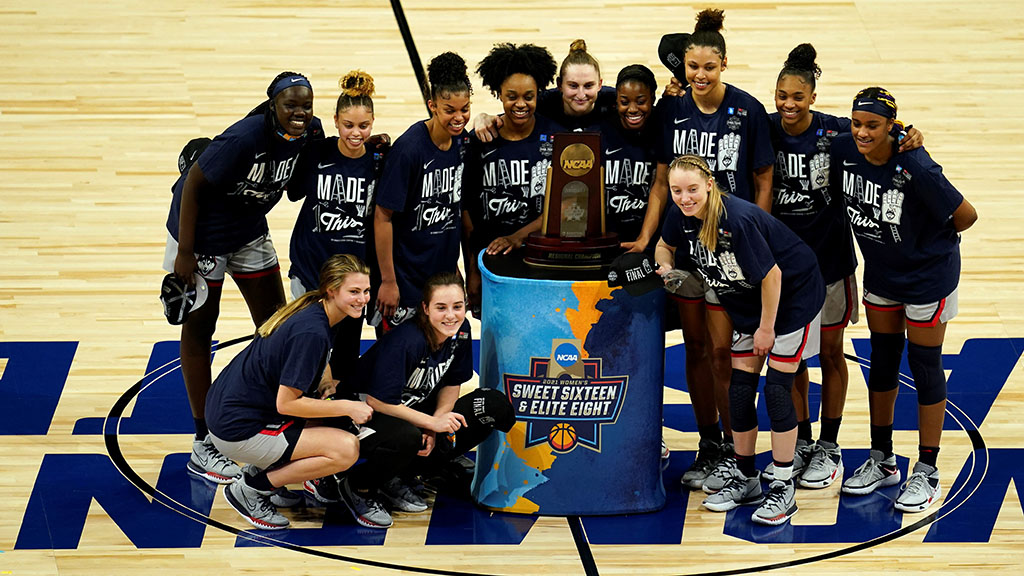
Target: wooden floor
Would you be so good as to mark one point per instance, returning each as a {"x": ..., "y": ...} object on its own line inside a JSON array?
[{"x": 97, "y": 98}]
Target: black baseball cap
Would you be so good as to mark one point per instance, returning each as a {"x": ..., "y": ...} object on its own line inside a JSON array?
[
  {"x": 634, "y": 271},
  {"x": 179, "y": 299},
  {"x": 190, "y": 153},
  {"x": 671, "y": 50}
]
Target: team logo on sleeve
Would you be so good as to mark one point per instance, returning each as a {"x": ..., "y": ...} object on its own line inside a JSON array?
[{"x": 565, "y": 399}]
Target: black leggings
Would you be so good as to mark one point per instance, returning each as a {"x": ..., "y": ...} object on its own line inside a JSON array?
[{"x": 391, "y": 449}]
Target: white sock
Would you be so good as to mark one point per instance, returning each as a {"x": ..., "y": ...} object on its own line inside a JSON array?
[{"x": 784, "y": 473}]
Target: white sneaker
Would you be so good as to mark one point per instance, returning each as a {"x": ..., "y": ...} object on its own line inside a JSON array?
[
  {"x": 921, "y": 490},
  {"x": 825, "y": 467}
]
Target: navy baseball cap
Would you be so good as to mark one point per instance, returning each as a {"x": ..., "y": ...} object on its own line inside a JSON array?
[
  {"x": 671, "y": 50},
  {"x": 634, "y": 271},
  {"x": 190, "y": 153},
  {"x": 179, "y": 299}
]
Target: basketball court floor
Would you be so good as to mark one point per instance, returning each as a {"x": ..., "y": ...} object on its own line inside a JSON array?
[{"x": 96, "y": 101}]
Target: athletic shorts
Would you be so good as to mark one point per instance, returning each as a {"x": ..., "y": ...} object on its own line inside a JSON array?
[
  {"x": 791, "y": 347},
  {"x": 254, "y": 260},
  {"x": 271, "y": 446},
  {"x": 297, "y": 288},
  {"x": 922, "y": 315},
  {"x": 841, "y": 307}
]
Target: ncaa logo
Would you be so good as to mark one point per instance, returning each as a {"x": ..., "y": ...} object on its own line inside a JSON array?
[{"x": 566, "y": 355}]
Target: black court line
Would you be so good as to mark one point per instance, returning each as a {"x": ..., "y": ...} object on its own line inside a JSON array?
[
  {"x": 410, "y": 47},
  {"x": 579, "y": 535},
  {"x": 112, "y": 443}
]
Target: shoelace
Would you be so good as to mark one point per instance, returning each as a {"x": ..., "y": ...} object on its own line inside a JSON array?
[
  {"x": 725, "y": 466},
  {"x": 735, "y": 483},
  {"x": 266, "y": 507},
  {"x": 871, "y": 465},
  {"x": 818, "y": 458},
  {"x": 214, "y": 454},
  {"x": 917, "y": 482},
  {"x": 776, "y": 496}
]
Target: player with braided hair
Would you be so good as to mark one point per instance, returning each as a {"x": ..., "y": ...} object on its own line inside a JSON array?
[
  {"x": 505, "y": 177},
  {"x": 768, "y": 281},
  {"x": 217, "y": 224},
  {"x": 418, "y": 218}
]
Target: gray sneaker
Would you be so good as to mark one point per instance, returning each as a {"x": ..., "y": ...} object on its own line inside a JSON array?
[
  {"x": 703, "y": 464},
  {"x": 281, "y": 497},
  {"x": 737, "y": 491},
  {"x": 873, "y": 474},
  {"x": 779, "y": 504},
  {"x": 401, "y": 497},
  {"x": 921, "y": 490},
  {"x": 801, "y": 457},
  {"x": 723, "y": 470},
  {"x": 207, "y": 462},
  {"x": 255, "y": 506},
  {"x": 825, "y": 467},
  {"x": 364, "y": 508},
  {"x": 323, "y": 489}
]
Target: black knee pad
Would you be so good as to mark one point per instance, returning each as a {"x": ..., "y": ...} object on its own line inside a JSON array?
[
  {"x": 779, "y": 401},
  {"x": 926, "y": 367},
  {"x": 742, "y": 403},
  {"x": 886, "y": 352}
]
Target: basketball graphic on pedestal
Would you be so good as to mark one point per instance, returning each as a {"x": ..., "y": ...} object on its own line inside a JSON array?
[{"x": 562, "y": 437}]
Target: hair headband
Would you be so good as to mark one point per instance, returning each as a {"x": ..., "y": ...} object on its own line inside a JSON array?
[{"x": 287, "y": 82}]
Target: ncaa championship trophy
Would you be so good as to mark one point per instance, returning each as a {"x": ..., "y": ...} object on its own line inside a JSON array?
[
  {"x": 572, "y": 334},
  {"x": 572, "y": 228}
]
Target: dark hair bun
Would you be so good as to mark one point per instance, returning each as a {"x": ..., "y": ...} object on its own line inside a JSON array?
[
  {"x": 802, "y": 58},
  {"x": 710, "y": 20}
]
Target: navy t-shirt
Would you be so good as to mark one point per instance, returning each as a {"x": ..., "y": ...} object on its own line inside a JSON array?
[
  {"x": 901, "y": 214},
  {"x": 337, "y": 207},
  {"x": 802, "y": 199},
  {"x": 400, "y": 368},
  {"x": 750, "y": 243},
  {"x": 247, "y": 170},
  {"x": 735, "y": 140},
  {"x": 504, "y": 182},
  {"x": 629, "y": 168},
  {"x": 550, "y": 105},
  {"x": 243, "y": 399},
  {"x": 422, "y": 184}
]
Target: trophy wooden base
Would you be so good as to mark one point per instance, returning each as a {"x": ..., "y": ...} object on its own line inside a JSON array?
[{"x": 571, "y": 254}]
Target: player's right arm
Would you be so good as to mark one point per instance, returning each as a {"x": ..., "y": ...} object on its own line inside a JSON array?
[
  {"x": 185, "y": 262},
  {"x": 383, "y": 235},
  {"x": 656, "y": 202},
  {"x": 444, "y": 423}
]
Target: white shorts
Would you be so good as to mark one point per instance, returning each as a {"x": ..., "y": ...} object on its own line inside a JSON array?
[
  {"x": 792, "y": 347},
  {"x": 254, "y": 260},
  {"x": 922, "y": 315},
  {"x": 841, "y": 307},
  {"x": 272, "y": 445},
  {"x": 297, "y": 288}
]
